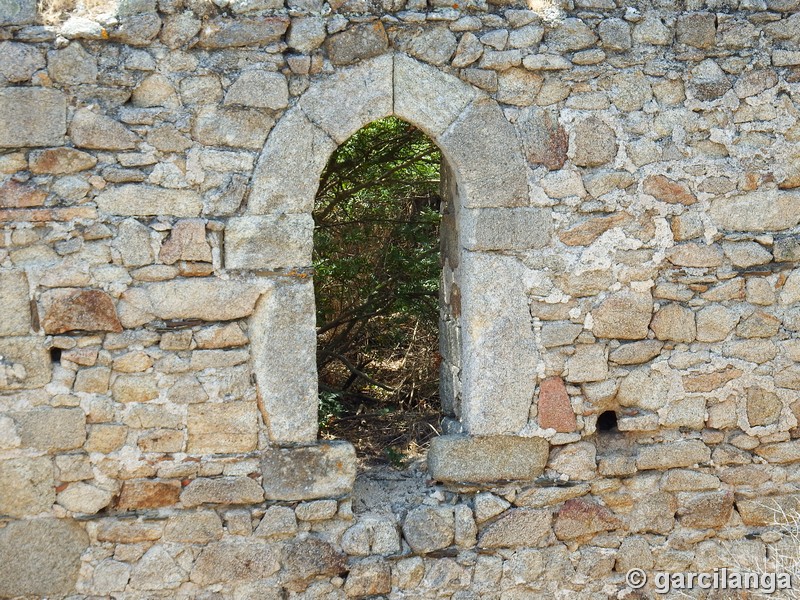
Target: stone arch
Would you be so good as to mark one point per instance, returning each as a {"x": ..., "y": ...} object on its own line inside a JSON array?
[{"x": 486, "y": 161}]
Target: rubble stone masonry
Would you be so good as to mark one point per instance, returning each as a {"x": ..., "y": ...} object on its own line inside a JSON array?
[{"x": 624, "y": 236}]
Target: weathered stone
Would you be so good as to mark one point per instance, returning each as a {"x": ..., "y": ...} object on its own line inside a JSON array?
[
  {"x": 615, "y": 34},
  {"x": 429, "y": 528},
  {"x": 789, "y": 377},
  {"x": 563, "y": 184},
  {"x": 685, "y": 480},
  {"x": 83, "y": 498},
  {"x": 644, "y": 388},
  {"x": 193, "y": 527},
  {"x": 41, "y": 557},
  {"x": 517, "y": 528},
  {"x": 368, "y": 579},
  {"x": 72, "y": 65},
  {"x": 260, "y": 90},
  {"x": 664, "y": 189},
  {"x": 278, "y": 523},
  {"x": 708, "y": 510},
  {"x": 60, "y": 161},
  {"x": 568, "y": 35},
  {"x": 763, "y": 407},
  {"x": 697, "y": 29},
  {"x": 128, "y": 531},
  {"x": 357, "y": 43},
  {"x": 17, "y": 195},
  {"x": 137, "y": 387},
  {"x": 72, "y": 309},
  {"x": 51, "y": 429},
  {"x": 133, "y": 243},
  {"x": 636, "y": 353},
  {"x": 197, "y": 298},
  {"x": 446, "y": 96},
  {"x": 187, "y": 241},
  {"x": 582, "y": 519},
  {"x": 505, "y": 228},
  {"x": 137, "y": 29},
  {"x": 631, "y": 91},
  {"x": 233, "y": 127},
  {"x": 518, "y": 86},
  {"x": 155, "y": 90},
  {"x": 14, "y": 303},
  {"x": 18, "y": 62},
  {"x": 179, "y": 29},
  {"x": 25, "y": 363},
  {"x": 233, "y": 33},
  {"x": 306, "y": 34},
  {"x": 434, "y": 45},
  {"x": 774, "y": 510},
  {"x": 110, "y": 576},
  {"x": 484, "y": 150},
  {"x": 32, "y": 116},
  {"x": 791, "y": 288},
  {"x": 707, "y": 81},
  {"x": 134, "y": 200},
  {"x": 156, "y": 570},
  {"x": 758, "y": 325},
  {"x": 684, "y": 453},
  {"x": 586, "y": 232},
  {"x": 371, "y": 535},
  {"x": 283, "y": 334},
  {"x": 594, "y": 143},
  {"x": 746, "y": 254},
  {"x": 324, "y": 470},
  {"x": 624, "y": 315},
  {"x": 674, "y": 322},
  {"x": 653, "y": 512},
  {"x": 555, "y": 410},
  {"x": 99, "y": 132},
  {"x": 589, "y": 363},
  {"x": 714, "y": 323},
  {"x": 26, "y": 488},
  {"x": 451, "y": 458},
  {"x": 317, "y": 510},
  {"x": 304, "y": 560},
  {"x": 545, "y": 141},
  {"x": 786, "y": 249},
  {"x": 269, "y": 242},
  {"x": 469, "y": 50},
  {"x": 708, "y": 382},
  {"x": 559, "y": 333},
  {"x": 770, "y": 210},
  {"x": 222, "y": 490},
  {"x": 222, "y": 427},
  {"x": 145, "y": 493},
  {"x": 295, "y": 139},
  {"x": 695, "y": 255}
]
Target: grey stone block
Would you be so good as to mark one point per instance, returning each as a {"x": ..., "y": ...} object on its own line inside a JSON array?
[
  {"x": 24, "y": 363},
  {"x": 32, "y": 117},
  {"x": 486, "y": 459},
  {"x": 14, "y": 304},
  {"x": 325, "y": 470},
  {"x": 506, "y": 229},
  {"x": 269, "y": 242},
  {"x": 41, "y": 557},
  {"x": 17, "y": 12}
]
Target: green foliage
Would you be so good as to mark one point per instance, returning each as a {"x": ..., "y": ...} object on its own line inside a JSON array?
[{"x": 376, "y": 258}]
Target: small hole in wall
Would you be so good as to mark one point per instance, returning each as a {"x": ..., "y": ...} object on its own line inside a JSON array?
[
  {"x": 607, "y": 421},
  {"x": 55, "y": 355}
]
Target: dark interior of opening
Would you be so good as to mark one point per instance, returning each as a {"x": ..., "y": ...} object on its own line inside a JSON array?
[
  {"x": 377, "y": 272},
  {"x": 55, "y": 355},
  {"x": 607, "y": 421}
]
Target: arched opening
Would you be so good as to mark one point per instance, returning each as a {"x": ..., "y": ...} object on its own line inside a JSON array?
[{"x": 377, "y": 272}]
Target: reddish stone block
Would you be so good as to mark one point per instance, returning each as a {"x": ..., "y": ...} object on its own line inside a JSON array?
[
  {"x": 145, "y": 493},
  {"x": 79, "y": 310},
  {"x": 555, "y": 410}
]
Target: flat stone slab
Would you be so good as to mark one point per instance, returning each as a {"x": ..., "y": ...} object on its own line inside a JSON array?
[
  {"x": 487, "y": 459},
  {"x": 41, "y": 557},
  {"x": 32, "y": 116},
  {"x": 325, "y": 470}
]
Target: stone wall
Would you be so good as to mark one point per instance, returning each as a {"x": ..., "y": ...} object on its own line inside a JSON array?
[{"x": 621, "y": 236}]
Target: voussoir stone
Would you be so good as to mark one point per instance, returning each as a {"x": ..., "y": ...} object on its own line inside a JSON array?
[
  {"x": 41, "y": 557},
  {"x": 324, "y": 470},
  {"x": 31, "y": 116},
  {"x": 451, "y": 458},
  {"x": 71, "y": 309},
  {"x": 209, "y": 299}
]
